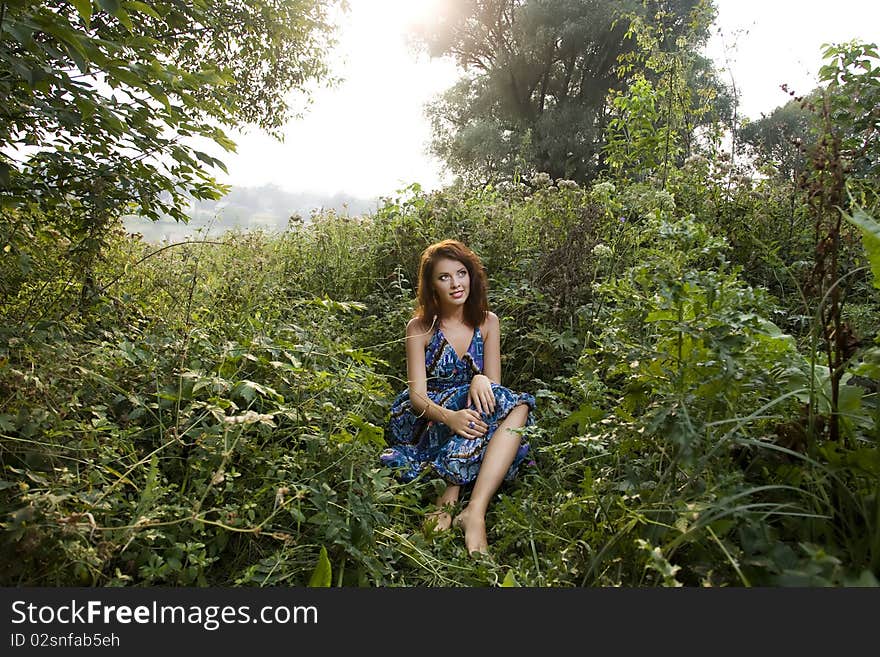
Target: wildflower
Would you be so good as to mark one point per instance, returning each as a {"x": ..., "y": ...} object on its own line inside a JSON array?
[
  {"x": 604, "y": 189},
  {"x": 250, "y": 417},
  {"x": 665, "y": 200},
  {"x": 542, "y": 180},
  {"x": 602, "y": 250},
  {"x": 696, "y": 161},
  {"x": 280, "y": 494}
]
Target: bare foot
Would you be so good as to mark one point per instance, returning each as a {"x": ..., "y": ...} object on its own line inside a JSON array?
[
  {"x": 438, "y": 521},
  {"x": 474, "y": 527}
]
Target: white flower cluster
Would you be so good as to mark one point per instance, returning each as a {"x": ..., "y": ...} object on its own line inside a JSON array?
[
  {"x": 542, "y": 180},
  {"x": 566, "y": 184},
  {"x": 665, "y": 200},
  {"x": 250, "y": 417},
  {"x": 602, "y": 250},
  {"x": 696, "y": 161},
  {"x": 604, "y": 189}
]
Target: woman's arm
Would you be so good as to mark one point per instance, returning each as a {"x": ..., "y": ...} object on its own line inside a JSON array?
[
  {"x": 417, "y": 378},
  {"x": 481, "y": 395},
  {"x": 492, "y": 348}
]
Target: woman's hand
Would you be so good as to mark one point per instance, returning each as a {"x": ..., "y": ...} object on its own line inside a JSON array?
[
  {"x": 480, "y": 395},
  {"x": 467, "y": 423}
]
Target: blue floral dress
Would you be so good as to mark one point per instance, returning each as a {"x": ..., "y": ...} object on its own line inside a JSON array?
[{"x": 418, "y": 444}]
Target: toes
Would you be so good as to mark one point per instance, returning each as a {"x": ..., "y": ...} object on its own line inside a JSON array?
[
  {"x": 478, "y": 548},
  {"x": 438, "y": 521},
  {"x": 475, "y": 539}
]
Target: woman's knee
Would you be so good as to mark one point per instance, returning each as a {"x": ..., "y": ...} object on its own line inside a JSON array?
[{"x": 519, "y": 414}]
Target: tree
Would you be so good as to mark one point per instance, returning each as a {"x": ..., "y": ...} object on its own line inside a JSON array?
[
  {"x": 673, "y": 92},
  {"x": 780, "y": 139},
  {"x": 538, "y": 73},
  {"x": 103, "y": 102},
  {"x": 842, "y": 171}
]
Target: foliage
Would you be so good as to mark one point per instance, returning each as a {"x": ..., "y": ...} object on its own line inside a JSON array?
[
  {"x": 870, "y": 238},
  {"x": 537, "y": 74},
  {"x": 779, "y": 139},
  {"x": 852, "y": 77},
  {"x": 215, "y": 418},
  {"x": 106, "y": 105},
  {"x": 638, "y": 145},
  {"x": 844, "y": 154},
  {"x": 687, "y": 99}
]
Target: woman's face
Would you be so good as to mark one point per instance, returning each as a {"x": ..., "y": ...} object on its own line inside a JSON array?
[{"x": 451, "y": 283}]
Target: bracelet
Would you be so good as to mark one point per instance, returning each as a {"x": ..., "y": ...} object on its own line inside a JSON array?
[{"x": 427, "y": 405}]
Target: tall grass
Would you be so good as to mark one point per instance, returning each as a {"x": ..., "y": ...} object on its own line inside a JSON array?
[{"x": 214, "y": 416}]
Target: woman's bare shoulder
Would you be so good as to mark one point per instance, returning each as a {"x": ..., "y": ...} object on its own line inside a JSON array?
[
  {"x": 415, "y": 328},
  {"x": 491, "y": 323}
]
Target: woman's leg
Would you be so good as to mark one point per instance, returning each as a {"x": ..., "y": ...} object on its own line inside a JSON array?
[
  {"x": 441, "y": 518},
  {"x": 496, "y": 462}
]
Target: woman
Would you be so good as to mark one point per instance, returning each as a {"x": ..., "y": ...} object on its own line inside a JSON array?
[{"x": 455, "y": 418}]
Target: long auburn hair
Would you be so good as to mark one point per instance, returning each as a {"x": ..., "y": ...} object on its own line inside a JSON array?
[{"x": 475, "y": 306}]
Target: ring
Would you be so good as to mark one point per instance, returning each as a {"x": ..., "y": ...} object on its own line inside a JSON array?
[{"x": 471, "y": 424}]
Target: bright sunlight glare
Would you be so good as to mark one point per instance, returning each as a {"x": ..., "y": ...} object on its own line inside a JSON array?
[
  {"x": 402, "y": 13},
  {"x": 366, "y": 136}
]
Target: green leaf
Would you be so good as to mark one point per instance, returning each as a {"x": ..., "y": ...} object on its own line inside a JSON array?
[
  {"x": 111, "y": 6},
  {"x": 120, "y": 135},
  {"x": 84, "y": 9},
  {"x": 583, "y": 417},
  {"x": 205, "y": 158},
  {"x": 7, "y": 422},
  {"x": 128, "y": 77},
  {"x": 870, "y": 365},
  {"x": 870, "y": 238},
  {"x": 867, "y": 578},
  {"x": 368, "y": 433},
  {"x": 509, "y": 580},
  {"x": 250, "y": 389},
  {"x": 322, "y": 575},
  {"x": 866, "y": 459},
  {"x": 143, "y": 9},
  {"x": 123, "y": 17}
]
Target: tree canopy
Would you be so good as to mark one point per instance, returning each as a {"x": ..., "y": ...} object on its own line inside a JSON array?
[
  {"x": 104, "y": 102},
  {"x": 537, "y": 77},
  {"x": 778, "y": 138}
]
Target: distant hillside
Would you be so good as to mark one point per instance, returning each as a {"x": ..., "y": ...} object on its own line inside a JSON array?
[{"x": 268, "y": 207}]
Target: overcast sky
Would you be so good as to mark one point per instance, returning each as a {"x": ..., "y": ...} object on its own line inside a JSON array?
[{"x": 368, "y": 136}]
